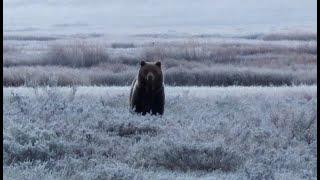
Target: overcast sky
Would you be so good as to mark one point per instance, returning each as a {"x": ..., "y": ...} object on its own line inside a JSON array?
[{"x": 151, "y": 13}]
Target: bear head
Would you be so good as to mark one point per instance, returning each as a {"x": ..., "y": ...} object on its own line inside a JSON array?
[{"x": 150, "y": 75}]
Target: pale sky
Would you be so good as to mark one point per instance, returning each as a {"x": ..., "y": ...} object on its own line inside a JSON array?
[{"x": 152, "y": 13}]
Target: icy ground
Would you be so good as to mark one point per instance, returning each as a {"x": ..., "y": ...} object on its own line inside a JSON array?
[{"x": 205, "y": 133}]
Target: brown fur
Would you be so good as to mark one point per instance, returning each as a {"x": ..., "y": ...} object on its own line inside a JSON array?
[{"x": 147, "y": 91}]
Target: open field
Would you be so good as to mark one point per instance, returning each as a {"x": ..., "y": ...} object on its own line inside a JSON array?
[
  {"x": 240, "y": 82},
  {"x": 206, "y": 133},
  {"x": 195, "y": 59}
]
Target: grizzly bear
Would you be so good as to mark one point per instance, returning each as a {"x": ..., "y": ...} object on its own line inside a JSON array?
[{"x": 147, "y": 90}]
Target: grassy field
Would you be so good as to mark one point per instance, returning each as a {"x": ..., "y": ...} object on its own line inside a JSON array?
[
  {"x": 261, "y": 126},
  {"x": 240, "y": 82},
  {"x": 189, "y": 60},
  {"x": 205, "y": 133}
]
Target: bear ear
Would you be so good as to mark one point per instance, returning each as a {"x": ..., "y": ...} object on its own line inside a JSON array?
[
  {"x": 158, "y": 63},
  {"x": 142, "y": 63}
]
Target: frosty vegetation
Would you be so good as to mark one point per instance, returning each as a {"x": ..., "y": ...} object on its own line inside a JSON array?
[
  {"x": 203, "y": 59},
  {"x": 240, "y": 83},
  {"x": 207, "y": 133}
]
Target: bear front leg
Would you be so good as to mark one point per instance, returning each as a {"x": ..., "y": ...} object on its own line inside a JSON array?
[{"x": 158, "y": 104}]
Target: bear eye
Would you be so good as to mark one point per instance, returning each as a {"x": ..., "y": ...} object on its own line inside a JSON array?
[{"x": 145, "y": 72}]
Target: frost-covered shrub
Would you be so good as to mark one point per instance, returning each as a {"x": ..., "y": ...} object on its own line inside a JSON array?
[
  {"x": 122, "y": 45},
  {"x": 189, "y": 75},
  {"x": 78, "y": 54},
  {"x": 29, "y": 38},
  {"x": 290, "y": 36},
  {"x": 133, "y": 61},
  {"x": 130, "y": 129},
  {"x": 9, "y": 49},
  {"x": 209, "y": 133},
  {"x": 186, "y": 157},
  {"x": 29, "y": 170},
  {"x": 227, "y": 76},
  {"x": 259, "y": 171},
  {"x": 112, "y": 173},
  {"x": 224, "y": 53},
  {"x": 184, "y": 63}
]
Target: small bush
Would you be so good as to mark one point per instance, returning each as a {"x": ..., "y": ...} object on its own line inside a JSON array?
[
  {"x": 219, "y": 53},
  {"x": 132, "y": 61},
  {"x": 129, "y": 129},
  {"x": 44, "y": 75},
  {"x": 9, "y": 49},
  {"x": 228, "y": 76},
  {"x": 185, "y": 157},
  {"x": 79, "y": 54},
  {"x": 30, "y": 38},
  {"x": 290, "y": 37},
  {"x": 122, "y": 45}
]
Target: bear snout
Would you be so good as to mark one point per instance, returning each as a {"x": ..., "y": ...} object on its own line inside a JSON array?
[{"x": 150, "y": 76}]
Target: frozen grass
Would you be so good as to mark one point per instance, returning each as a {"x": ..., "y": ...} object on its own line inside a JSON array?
[
  {"x": 120, "y": 74},
  {"x": 229, "y": 75},
  {"x": 77, "y": 54},
  {"x": 84, "y": 54},
  {"x": 205, "y": 133},
  {"x": 220, "y": 53},
  {"x": 290, "y": 36},
  {"x": 9, "y": 49},
  {"x": 187, "y": 63},
  {"x": 122, "y": 45},
  {"x": 29, "y": 38},
  {"x": 108, "y": 74}
]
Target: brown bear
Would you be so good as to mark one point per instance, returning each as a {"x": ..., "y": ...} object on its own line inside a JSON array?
[{"x": 147, "y": 90}]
